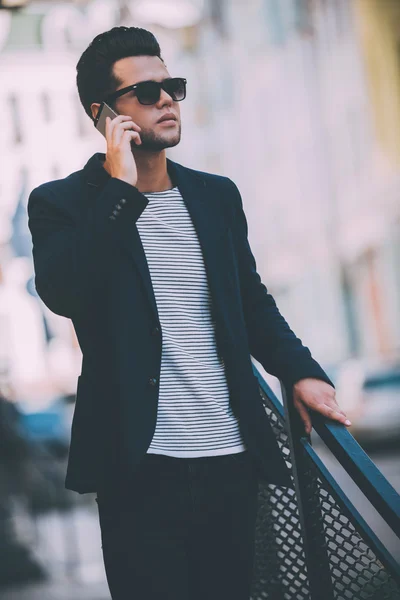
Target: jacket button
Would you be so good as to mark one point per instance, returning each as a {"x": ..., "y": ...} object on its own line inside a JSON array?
[
  {"x": 153, "y": 381},
  {"x": 155, "y": 331}
]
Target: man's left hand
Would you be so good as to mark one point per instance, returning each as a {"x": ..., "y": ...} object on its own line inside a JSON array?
[{"x": 318, "y": 395}]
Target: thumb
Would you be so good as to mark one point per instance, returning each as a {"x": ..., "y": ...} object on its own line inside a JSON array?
[{"x": 305, "y": 416}]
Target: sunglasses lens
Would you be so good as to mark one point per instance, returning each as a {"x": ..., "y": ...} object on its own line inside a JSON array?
[
  {"x": 148, "y": 92},
  {"x": 176, "y": 88}
]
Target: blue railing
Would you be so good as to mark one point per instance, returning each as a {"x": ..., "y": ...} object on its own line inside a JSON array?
[{"x": 312, "y": 543}]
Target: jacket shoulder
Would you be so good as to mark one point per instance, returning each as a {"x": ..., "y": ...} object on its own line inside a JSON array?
[
  {"x": 65, "y": 193},
  {"x": 209, "y": 178}
]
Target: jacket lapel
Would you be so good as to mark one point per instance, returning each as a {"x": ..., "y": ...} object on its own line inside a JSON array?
[{"x": 205, "y": 209}]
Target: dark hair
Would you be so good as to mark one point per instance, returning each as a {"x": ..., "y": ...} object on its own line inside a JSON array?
[{"x": 95, "y": 78}]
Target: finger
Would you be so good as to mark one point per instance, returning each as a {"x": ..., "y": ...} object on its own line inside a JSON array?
[
  {"x": 305, "y": 416},
  {"x": 334, "y": 405},
  {"x": 132, "y": 136},
  {"x": 122, "y": 127},
  {"x": 333, "y": 413},
  {"x": 109, "y": 130},
  {"x": 115, "y": 122},
  {"x": 329, "y": 402},
  {"x": 342, "y": 413},
  {"x": 120, "y": 118},
  {"x": 130, "y": 125}
]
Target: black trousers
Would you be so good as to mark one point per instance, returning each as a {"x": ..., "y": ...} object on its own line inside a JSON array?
[{"x": 183, "y": 530}]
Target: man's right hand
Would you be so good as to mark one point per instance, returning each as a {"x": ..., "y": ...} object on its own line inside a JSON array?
[{"x": 119, "y": 157}]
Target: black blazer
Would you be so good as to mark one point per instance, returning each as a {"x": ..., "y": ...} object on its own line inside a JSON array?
[{"x": 90, "y": 267}]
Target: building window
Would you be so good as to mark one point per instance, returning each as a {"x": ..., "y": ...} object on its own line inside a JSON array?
[
  {"x": 275, "y": 23},
  {"x": 342, "y": 16},
  {"x": 303, "y": 15},
  {"x": 218, "y": 16},
  {"x": 15, "y": 118}
]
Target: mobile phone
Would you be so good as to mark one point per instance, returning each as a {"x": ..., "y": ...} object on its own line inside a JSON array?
[{"x": 100, "y": 120}]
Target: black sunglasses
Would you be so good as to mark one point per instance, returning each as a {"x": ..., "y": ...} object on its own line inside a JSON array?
[{"x": 149, "y": 92}]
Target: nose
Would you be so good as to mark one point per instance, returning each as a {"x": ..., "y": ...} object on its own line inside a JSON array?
[{"x": 165, "y": 99}]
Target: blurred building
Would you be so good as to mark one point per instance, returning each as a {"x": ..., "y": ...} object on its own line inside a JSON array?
[
  {"x": 308, "y": 126},
  {"x": 378, "y": 27},
  {"x": 297, "y": 101},
  {"x": 46, "y": 136}
]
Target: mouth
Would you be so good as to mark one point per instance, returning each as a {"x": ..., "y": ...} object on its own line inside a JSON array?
[
  {"x": 168, "y": 122},
  {"x": 168, "y": 116}
]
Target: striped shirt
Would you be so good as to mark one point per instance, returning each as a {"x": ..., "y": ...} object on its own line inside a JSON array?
[{"x": 194, "y": 416}]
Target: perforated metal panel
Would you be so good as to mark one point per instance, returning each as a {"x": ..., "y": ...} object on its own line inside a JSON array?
[{"x": 280, "y": 571}]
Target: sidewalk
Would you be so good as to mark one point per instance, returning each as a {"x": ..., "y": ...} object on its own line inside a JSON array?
[
  {"x": 69, "y": 548},
  {"x": 57, "y": 591}
]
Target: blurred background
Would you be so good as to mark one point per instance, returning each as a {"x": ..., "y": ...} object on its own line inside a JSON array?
[{"x": 298, "y": 101}]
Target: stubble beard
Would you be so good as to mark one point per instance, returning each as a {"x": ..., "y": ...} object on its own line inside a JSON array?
[{"x": 156, "y": 142}]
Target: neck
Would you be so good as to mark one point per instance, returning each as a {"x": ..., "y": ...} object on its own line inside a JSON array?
[{"x": 152, "y": 172}]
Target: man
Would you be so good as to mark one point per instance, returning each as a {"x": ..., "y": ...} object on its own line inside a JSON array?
[{"x": 151, "y": 261}]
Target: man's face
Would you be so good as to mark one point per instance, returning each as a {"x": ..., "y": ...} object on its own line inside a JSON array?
[{"x": 155, "y": 136}]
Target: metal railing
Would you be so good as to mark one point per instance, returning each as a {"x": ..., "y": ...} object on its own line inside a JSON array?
[{"x": 311, "y": 541}]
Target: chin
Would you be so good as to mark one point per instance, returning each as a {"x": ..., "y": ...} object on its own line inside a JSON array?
[
  {"x": 156, "y": 145},
  {"x": 173, "y": 143}
]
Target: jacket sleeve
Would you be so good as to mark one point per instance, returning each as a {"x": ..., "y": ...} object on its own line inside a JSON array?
[
  {"x": 70, "y": 253},
  {"x": 271, "y": 340}
]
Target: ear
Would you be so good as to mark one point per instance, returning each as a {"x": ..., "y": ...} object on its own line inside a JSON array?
[{"x": 95, "y": 109}]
